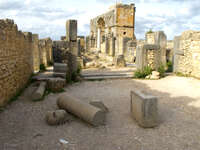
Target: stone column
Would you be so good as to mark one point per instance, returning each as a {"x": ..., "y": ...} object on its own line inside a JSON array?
[{"x": 99, "y": 39}]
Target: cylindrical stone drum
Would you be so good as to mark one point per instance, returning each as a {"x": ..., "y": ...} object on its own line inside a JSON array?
[{"x": 82, "y": 110}]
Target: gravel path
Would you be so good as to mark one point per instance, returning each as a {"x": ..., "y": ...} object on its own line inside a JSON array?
[{"x": 22, "y": 125}]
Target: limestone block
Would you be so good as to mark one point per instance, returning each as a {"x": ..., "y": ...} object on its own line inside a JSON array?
[
  {"x": 56, "y": 84},
  {"x": 90, "y": 64},
  {"x": 60, "y": 67},
  {"x": 120, "y": 61},
  {"x": 100, "y": 105},
  {"x": 39, "y": 92},
  {"x": 59, "y": 75},
  {"x": 151, "y": 47},
  {"x": 155, "y": 75},
  {"x": 57, "y": 117},
  {"x": 85, "y": 111},
  {"x": 144, "y": 109},
  {"x": 71, "y": 30}
]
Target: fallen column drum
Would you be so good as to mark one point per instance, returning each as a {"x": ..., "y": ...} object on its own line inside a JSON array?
[{"x": 85, "y": 111}]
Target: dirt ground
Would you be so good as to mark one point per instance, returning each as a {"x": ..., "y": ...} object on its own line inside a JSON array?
[{"x": 22, "y": 124}]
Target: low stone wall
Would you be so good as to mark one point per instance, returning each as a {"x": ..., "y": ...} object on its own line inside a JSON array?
[
  {"x": 16, "y": 63},
  {"x": 187, "y": 53}
]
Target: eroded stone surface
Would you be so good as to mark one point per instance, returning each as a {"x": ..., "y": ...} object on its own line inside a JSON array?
[
  {"x": 56, "y": 84},
  {"x": 99, "y": 104},
  {"x": 57, "y": 117},
  {"x": 144, "y": 109}
]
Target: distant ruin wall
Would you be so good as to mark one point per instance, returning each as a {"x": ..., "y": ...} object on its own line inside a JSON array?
[
  {"x": 187, "y": 53},
  {"x": 16, "y": 59},
  {"x": 59, "y": 51},
  {"x": 36, "y": 53},
  {"x": 46, "y": 51}
]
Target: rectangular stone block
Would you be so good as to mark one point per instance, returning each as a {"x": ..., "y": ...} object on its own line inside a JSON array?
[
  {"x": 60, "y": 67},
  {"x": 71, "y": 30},
  {"x": 144, "y": 109}
]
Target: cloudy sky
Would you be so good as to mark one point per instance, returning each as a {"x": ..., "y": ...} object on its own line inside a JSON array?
[{"x": 48, "y": 17}]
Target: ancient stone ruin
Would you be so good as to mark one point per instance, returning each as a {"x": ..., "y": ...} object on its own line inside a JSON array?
[
  {"x": 20, "y": 55},
  {"x": 153, "y": 52},
  {"x": 112, "y": 33},
  {"x": 187, "y": 53}
]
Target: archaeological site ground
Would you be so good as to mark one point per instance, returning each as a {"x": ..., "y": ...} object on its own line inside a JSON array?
[{"x": 105, "y": 91}]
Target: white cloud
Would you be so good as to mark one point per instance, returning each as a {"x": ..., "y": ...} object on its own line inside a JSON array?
[{"x": 48, "y": 17}]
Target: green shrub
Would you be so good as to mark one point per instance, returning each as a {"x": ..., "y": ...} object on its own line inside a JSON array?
[
  {"x": 2, "y": 109},
  {"x": 70, "y": 78},
  {"x": 143, "y": 73},
  {"x": 79, "y": 69},
  {"x": 181, "y": 74},
  {"x": 161, "y": 70},
  {"x": 169, "y": 67},
  {"x": 150, "y": 31},
  {"x": 42, "y": 67}
]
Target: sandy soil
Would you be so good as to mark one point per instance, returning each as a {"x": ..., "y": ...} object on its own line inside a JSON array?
[{"x": 22, "y": 124}]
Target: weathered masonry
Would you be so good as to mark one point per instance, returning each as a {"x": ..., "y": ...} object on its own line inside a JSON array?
[
  {"x": 68, "y": 48},
  {"x": 153, "y": 52},
  {"x": 20, "y": 56},
  {"x": 187, "y": 53},
  {"x": 112, "y": 33}
]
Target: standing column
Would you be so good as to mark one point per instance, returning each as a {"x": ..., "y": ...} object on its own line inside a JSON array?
[{"x": 99, "y": 39}]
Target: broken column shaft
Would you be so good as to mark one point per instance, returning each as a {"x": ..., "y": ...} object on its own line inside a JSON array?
[{"x": 82, "y": 110}]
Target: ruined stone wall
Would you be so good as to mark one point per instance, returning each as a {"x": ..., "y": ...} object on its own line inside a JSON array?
[
  {"x": 148, "y": 55},
  {"x": 117, "y": 23},
  {"x": 125, "y": 20},
  {"x": 36, "y": 53},
  {"x": 158, "y": 38},
  {"x": 16, "y": 64},
  {"x": 46, "y": 51},
  {"x": 59, "y": 51},
  {"x": 187, "y": 53}
]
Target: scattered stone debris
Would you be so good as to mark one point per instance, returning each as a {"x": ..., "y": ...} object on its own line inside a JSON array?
[
  {"x": 155, "y": 75},
  {"x": 144, "y": 109},
  {"x": 100, "y": 105},
  {"x": 39, "y": 92},
  {"x": 85, "y": 111},
  {"x": 57, "y": 117}
]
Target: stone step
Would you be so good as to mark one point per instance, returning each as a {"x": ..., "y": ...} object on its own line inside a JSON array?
[
  {"x": 108, "y": 77},
  {"x": 106, "y": 74}
]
